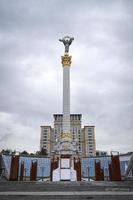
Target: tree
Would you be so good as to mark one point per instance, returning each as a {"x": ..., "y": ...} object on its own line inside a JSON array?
[
  {"x": 43, "y": 152},
  {"x": 101, "y": 153},
  {"x": 7, "y": 151},
  {"x": 24, "y": 153},
  {"x": 31, "y": 154}
]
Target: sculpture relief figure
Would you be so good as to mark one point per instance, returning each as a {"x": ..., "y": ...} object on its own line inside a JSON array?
[{"x": 67, "y": 41}]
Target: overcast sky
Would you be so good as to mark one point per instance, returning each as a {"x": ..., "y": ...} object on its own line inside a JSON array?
[{"x": 31, "y": 71}]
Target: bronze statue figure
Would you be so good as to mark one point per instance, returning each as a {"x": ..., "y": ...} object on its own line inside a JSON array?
[{"x": 67, "y": 42}]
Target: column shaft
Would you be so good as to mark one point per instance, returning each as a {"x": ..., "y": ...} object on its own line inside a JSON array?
[{"x": 66, "y": 99}]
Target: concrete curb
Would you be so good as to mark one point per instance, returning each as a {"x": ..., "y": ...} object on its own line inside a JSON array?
[{"x": 85, "y": 193}]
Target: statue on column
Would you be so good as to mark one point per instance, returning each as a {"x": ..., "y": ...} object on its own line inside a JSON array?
[{"x": 67, "y": 41}]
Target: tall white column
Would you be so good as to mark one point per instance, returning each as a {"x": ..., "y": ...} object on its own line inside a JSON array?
[
  {"x": 66, "y": 134},
  {"x": 66, "y": 99}
]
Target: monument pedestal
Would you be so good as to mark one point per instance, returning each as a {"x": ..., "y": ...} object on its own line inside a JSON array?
[{"x": 65, "y": 170}]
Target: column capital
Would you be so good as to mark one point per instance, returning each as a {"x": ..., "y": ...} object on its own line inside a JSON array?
[{"x": 66, "y": 60}]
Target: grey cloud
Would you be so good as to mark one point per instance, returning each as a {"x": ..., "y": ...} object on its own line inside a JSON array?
[{"x": 101, "y": 72}]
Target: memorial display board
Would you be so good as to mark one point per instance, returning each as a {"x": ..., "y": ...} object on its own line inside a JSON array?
[
  {"x": 65, "y": 163},
  {"x": 65, "y": 174}
]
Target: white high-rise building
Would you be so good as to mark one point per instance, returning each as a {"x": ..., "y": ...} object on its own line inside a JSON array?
[
  {"x": 89, "y": 141},
  {"x": 45, "y": 139},
  {"x": 85, "y": 137}
]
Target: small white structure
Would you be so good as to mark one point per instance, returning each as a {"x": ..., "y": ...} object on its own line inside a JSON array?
[{"x": 65, "y": 171}]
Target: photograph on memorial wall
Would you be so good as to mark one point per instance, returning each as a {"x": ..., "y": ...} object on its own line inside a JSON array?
[{"x": 65, "y": 163}]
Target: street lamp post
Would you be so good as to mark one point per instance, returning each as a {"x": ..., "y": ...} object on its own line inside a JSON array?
[
  {"x": 25, "y": 170},
  {"x": 106, "y": 171},
  {"x": 42, "y": 169},
  {"x": 88, "y": 173}
]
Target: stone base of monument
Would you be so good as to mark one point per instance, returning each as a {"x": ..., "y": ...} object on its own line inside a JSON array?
[{"x": 65, "y": 170}]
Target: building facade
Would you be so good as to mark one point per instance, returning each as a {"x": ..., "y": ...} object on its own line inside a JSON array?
[
  {"x": 45, "y": 139},
  {"x": 84, "y": 137},
  {"x": 89, "y": 141}
]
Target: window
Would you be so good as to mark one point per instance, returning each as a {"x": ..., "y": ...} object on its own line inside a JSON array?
[
  {"x": 45, "y": 132},
  {"x": 90, "y": 142},
  {"x": 44, "y": 142}
]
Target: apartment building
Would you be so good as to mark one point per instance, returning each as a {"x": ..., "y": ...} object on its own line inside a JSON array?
[{"x": 84, "y": 137}]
